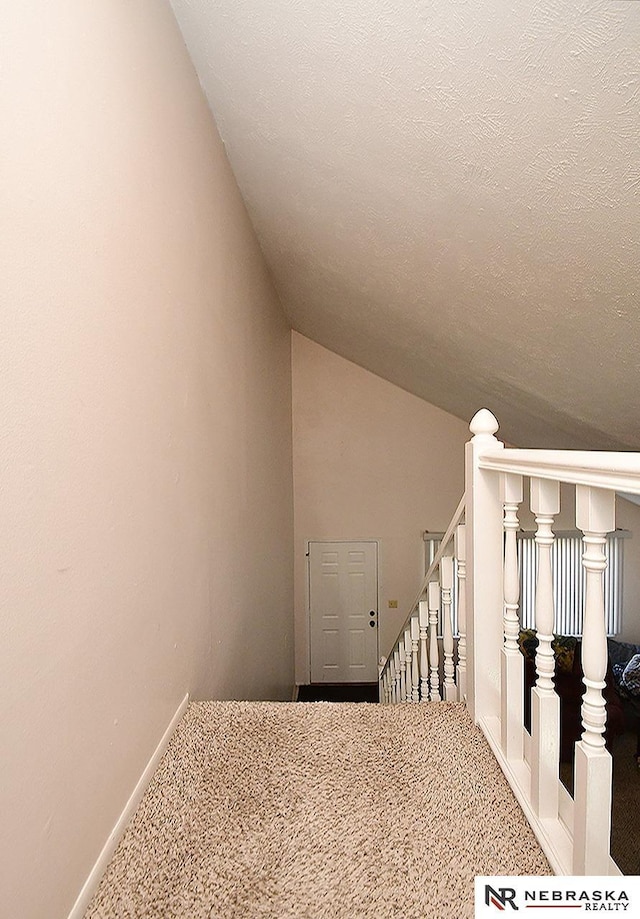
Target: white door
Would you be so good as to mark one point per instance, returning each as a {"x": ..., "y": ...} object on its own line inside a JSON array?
[{"x": 343, "y": 603}]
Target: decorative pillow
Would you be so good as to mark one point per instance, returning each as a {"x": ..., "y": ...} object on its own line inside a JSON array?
[
  {"x": 631, "y": 675},
  {"x": 618, "y": 670},
  {"x": 621, "y": 652}
]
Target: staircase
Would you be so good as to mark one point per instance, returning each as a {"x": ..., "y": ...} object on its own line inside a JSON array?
[{"x": 344, "y": 811}]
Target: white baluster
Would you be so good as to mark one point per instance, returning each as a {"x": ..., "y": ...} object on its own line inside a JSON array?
[
  {"x": 595, "y": 516},
  {"x": 392, "y": 678},
  {"x": 545, "y": 704},
  {"x": 403, "y": 669},
  {"x": 512, "y": 669},
  {"x": 397, "y": 696},
  {"x": 446, "y": 576},
  {"x": 461, "y": 557},
  {"x": 423, "y": 620},
  {"x": 434, "y": 657},
  {"x": 408, "y": 678},
  {"x": 415, "y": 673}
]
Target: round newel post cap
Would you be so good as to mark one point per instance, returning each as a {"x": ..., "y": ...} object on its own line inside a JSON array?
[{"x": 483, "y": 424}]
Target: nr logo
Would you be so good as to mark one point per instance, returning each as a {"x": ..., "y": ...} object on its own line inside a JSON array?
[{"x": 500, "y": 897}]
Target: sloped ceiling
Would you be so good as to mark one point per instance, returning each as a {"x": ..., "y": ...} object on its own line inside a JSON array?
[{"x": 447, "y": 193}]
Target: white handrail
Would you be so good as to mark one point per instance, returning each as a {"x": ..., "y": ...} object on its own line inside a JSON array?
[{"x": 613, "y": 471}]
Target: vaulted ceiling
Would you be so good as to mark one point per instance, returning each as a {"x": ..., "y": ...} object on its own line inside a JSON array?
[{"x": 447, "y": 193}]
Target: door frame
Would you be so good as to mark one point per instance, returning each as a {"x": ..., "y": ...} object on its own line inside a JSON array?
[{"x": 307, "y": 588}]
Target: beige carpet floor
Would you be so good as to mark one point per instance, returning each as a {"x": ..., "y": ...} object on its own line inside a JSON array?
[{"x": 318, "y": 811}]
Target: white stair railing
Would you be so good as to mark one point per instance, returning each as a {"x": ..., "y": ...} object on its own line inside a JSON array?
[
  {"x": 488, "y": 674},
  {"x": 573, "y": 831},
  {"x": 414, "y": 662}
]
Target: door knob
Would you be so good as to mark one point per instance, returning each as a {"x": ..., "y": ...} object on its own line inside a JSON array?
[{"x": 372, "y": 624}]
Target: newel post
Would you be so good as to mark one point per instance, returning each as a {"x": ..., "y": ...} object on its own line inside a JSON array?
[
  {"x": 484, "y": 595},
  {"x": 595, "y": 516}
]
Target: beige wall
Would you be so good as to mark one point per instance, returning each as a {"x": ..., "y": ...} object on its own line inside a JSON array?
[
  {"x": 370, "y": 461},
  {"x": 145, "y": 430}
]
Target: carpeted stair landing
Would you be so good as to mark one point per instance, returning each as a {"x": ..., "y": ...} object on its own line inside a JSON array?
[{"x": 303, "y": 811}]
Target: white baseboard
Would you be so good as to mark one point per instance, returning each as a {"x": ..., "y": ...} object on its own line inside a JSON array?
[{"x": 91, "y": 884}]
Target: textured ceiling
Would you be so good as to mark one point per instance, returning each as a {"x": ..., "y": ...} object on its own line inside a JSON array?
[{"x": 447, "y": 193}]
